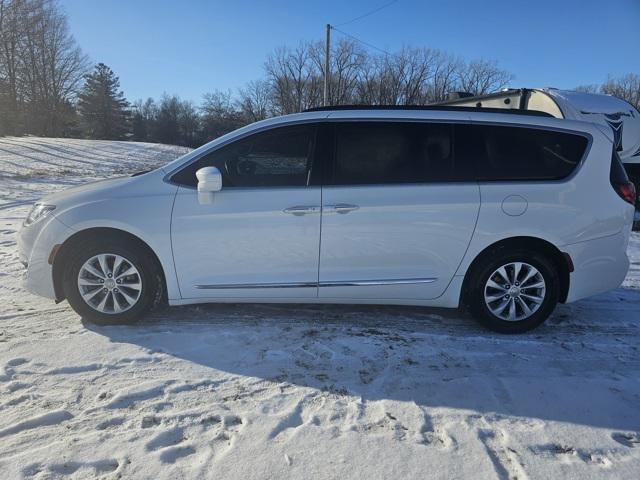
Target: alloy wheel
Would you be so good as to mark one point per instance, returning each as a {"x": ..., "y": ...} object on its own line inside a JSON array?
[
  {"x": 109, "y": 283},
  {"x": 514, "y": 291}
]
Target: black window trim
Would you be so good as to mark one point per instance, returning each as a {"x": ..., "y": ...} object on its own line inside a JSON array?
[
  {"x": 328, "y": 166},
  {"x": 329, "y": 169},
  {"x": 168, "y": 178}
]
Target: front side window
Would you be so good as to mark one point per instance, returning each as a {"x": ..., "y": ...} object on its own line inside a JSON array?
[
  {"x": 280, "y": 157},
  {"x": 395, "y": 153}
]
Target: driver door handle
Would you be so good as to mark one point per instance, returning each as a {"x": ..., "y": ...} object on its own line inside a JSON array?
[
  {"x": 342, "y": 207},
  {"x": 299, "y": 210}
]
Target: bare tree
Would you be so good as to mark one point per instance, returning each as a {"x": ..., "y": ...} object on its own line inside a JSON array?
[
  {"x": 254, "y": 101},
  {"x": 626, "y": 87},
  {"x": 12, "y": 13},
  {"x": 481, "y": 76},
  {"x": 587, "y": 88},
  {"x": 143, "y": 116},
  {"x": 369, "y": 86},
  {"x": 52, "y": 67},
  {"x": 411, "y": 76},
  {"x": 41, "y": 66},
  {"x": 189, "y": 124},
  {"x": 392, "y": 72},
  {"x": 345, "y": 69},
  {"x": 218, "y": 115},
  {"x": 445, "y": 77},
  {"x": 295, "y": 82}
]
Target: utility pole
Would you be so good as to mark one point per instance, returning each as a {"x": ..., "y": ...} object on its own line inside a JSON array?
[{"x": 326, "y": 66}]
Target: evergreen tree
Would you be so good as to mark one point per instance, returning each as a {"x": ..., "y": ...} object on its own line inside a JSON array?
[{"x": 102, "y": 105}]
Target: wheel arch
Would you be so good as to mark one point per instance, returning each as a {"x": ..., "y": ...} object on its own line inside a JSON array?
[
  {"x": 561, "y": 260},
  {"x": 85, "y": 235}
]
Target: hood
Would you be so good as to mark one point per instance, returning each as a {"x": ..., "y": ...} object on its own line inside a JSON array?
[
  {"x": 91, "y": 188},
  {"x": 141, "y": 185}
]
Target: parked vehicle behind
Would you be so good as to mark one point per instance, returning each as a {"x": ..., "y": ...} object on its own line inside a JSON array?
[{"x": 504, "y": 213}]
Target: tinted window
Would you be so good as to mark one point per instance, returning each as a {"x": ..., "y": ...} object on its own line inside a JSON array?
[
  {"x": 518, "y": 153},
  {"x": 275, "y": 158},
  {"x": 395, "y": 152}
]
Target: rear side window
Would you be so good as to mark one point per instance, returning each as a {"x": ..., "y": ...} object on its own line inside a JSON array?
[
  {"x": 395, "y": 153},
  {"x": 504, "y": 153},
  {"x": 280, "y": 157}
]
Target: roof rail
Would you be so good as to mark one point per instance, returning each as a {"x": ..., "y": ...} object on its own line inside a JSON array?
[{"x": 445, "y": 108}]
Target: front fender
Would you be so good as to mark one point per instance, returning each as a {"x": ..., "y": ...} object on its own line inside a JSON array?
[{"x": 147, "y": 217}]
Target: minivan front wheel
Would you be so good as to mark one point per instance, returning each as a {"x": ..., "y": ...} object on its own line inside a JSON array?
[
  {"x": 111, "y": 281},
  {"x": 513, "y": 292}
]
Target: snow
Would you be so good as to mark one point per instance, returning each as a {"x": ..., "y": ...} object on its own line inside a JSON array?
[{"x": 277, "y": 391}]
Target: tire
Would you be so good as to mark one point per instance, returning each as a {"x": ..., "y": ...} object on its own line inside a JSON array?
[
  {"x": 84, "y": 275},
  {"x": 484, "y": 300}
]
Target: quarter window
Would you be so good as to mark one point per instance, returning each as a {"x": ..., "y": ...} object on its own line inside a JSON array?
[
  {"x": 280, "y": 157},
  {"x": 520, "y": 153}
]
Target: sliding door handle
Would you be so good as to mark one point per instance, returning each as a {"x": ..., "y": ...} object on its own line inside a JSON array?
[
  {"x": 342, "y": 207},
  {"x": 299, "y": 210}
]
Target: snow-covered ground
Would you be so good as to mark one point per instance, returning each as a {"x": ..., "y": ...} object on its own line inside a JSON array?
[{"x": 260, "y": 391}]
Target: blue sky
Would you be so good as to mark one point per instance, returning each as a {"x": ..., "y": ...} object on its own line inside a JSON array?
[{"x": 191, "y": 47}]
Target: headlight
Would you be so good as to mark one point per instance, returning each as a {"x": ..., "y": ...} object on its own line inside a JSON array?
[{"x": 38, "y": 212}]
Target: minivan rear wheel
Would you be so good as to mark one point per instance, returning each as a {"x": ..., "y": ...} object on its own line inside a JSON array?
[
  {"x": 112, "y": 281},
  {"x": 513, "y": 292}
]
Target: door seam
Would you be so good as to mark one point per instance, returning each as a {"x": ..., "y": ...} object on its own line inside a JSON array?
[
  {"x": 320, "y": 240},
  {"x": 173, "y": 257}
]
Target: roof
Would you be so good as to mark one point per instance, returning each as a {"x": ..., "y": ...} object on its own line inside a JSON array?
[{"x": 443, "y": 108}]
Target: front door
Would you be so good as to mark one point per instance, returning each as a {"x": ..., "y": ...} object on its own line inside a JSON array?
[
  {"x": 398, "y": 212},
  {"x": 260, "y": 235}
]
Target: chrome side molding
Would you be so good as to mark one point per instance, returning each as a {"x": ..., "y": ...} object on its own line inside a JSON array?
[
  {"x": 366, "y": 283},
  {"x": 343, "y": 283},
  {"x": 256, "y": 285}
]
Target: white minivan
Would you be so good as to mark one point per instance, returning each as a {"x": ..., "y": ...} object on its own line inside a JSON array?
[{"x": 504, "y": 213}]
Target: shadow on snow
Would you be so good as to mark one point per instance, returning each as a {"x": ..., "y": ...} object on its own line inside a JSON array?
[{"x": 581, "y": 367}]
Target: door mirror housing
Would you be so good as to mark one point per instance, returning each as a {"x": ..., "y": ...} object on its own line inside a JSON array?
[{"x": 209, "y": 182}]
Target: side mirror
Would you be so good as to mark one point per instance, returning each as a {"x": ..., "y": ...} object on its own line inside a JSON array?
[{"x": 209, "y": 182}]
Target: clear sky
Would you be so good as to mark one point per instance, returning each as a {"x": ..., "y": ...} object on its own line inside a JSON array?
[{"x": 191, "y": 47}]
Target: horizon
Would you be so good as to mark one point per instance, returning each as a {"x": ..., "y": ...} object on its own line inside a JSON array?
[{"x": 202, "y": 58}]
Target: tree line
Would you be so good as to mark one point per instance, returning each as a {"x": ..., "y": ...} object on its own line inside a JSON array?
[
  {"x": 294, "y": 81},
  {"x": 626, "y": 87},
  {"x": 48, "y": 87}
]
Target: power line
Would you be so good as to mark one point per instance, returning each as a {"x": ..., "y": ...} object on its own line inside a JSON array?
[
  {"x": 362, "y": 41},
  {"x": 328, "y": 45},
  {"x": 368, "y": 13}
]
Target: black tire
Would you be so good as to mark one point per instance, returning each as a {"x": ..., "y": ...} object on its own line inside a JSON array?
[
  {"x": 152, "y": 291},
  {"x": 487, "y": 265}
]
